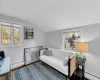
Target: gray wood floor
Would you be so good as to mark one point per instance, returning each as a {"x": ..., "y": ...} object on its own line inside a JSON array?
[{"x": 37, "y": 71}]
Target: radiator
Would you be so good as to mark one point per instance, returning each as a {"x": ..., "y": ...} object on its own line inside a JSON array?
[{"x": 31, "y": 54}]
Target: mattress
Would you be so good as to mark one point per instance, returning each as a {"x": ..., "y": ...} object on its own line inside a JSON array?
[{"x": 55, "y": 63}]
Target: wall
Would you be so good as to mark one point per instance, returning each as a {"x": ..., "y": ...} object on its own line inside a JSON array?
[
  {"x": 89, "y": 33},
  {"x": 17, "y": 53}
]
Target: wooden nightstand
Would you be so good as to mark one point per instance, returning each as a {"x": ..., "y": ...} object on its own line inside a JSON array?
[{"x": 78, "y": 75}]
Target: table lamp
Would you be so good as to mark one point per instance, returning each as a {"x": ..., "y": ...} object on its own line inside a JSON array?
[{"x": 81, "y": 47}]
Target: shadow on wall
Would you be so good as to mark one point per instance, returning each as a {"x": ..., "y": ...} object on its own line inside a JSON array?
[
  {"x": 93, "y": 57},
  {"x": 11, "y": 19},
  {"x": 94, "y": 47},
  {"x": 91, "y": 34}
]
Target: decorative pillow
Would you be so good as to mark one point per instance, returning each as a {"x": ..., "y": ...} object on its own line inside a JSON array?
[
  {"x": 65, "y": 62},
  {"x": 42, "y": 52},
  {"x": 48, "y": 53}
]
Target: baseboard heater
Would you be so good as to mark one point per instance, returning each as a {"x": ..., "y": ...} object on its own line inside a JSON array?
[{"x": 31, "y": 54}]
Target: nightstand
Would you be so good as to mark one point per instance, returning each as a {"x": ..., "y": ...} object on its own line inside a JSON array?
[
  {"x": 80, "y": 69},
  {"x": 79, "y": 75}
]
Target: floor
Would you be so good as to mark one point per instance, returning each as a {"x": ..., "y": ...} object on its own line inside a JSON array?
[
  {"x": 11, "y": 74},
  {"x": 38, "y": 71}
]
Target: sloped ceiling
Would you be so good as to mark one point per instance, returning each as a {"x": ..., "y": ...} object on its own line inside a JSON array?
[{"x": 51, "y": 15}]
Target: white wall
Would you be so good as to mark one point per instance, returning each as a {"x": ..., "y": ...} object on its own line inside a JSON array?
[
  {"x": 17, "y": 53},
  {"x": 91, "y": 34}
]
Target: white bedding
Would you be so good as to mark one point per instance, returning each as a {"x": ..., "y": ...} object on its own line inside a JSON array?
[{"x": 55, "y": 63}]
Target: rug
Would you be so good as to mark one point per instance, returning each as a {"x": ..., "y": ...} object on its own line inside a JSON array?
[{"x": 37, "y": 71}]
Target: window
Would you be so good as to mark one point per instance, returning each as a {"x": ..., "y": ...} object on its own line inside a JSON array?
[
  {"x": 10, "y": 34},
  {"x": 70, "y": 39},
  {"x": 16, "y": 36},
  {"x": 6, "y": 38}
]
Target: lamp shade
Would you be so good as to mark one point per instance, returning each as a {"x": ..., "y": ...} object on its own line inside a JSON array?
[{"x": 82, "y": 47}]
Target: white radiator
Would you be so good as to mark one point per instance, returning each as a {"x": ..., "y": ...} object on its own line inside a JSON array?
[{"x": 31, "y": 54}]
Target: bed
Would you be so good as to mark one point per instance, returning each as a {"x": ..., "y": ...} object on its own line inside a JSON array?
[{"x": 57, "y": 63}]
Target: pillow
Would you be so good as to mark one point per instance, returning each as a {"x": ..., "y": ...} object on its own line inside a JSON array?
[
  {"x": 48, "y": 53},
  {"x": 65, "y": 62},
  {"x": 42, "y": 52}
]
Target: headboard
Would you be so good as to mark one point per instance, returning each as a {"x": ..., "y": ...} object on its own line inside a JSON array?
[{"x": 71, "y": 66}]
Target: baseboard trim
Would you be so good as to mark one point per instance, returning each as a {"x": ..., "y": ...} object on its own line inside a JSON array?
[
  {"x": 92, "y": 75},
  {"x": 16, "y": 65}
]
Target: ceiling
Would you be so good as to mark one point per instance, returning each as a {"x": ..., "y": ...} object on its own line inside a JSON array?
[{"x": 50, "y": 15}]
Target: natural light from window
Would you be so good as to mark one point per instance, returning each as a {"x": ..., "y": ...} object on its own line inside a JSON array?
[
  {"x": 16, "y": 36},
  {"x": 6, "y": 36},
  {"x": 10, "y": 34}
]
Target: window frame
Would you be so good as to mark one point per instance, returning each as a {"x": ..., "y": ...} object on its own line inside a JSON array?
[
  {"x": 69, "y": 31},
  {"x": 12, "y": 25}
]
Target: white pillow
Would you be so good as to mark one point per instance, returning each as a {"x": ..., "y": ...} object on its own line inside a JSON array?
[
  {"x": 42, "y": 52},
  {"x": 48, "y": 53},
  {"x": 65, "y": 62}
]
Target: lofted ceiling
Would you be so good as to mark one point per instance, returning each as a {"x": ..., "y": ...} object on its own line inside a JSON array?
[{"x": 51, "y": 15}]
